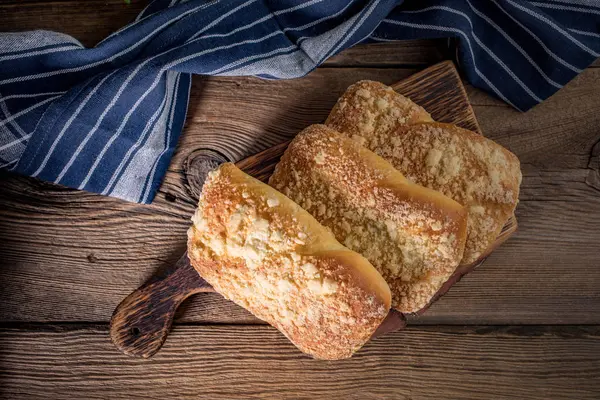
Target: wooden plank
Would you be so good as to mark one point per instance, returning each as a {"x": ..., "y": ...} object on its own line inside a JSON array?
[
  {"x": 395, "y": 54},
  {"x": 227, "y": 362},
  {"x": 72, "y": 256}
]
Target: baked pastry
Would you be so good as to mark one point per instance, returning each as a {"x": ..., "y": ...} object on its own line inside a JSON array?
[
  {"x": 371, "y": 108},
  {"x": 414, "y": 236},
  {"x": 261, "y": 250},
  {"x": 465, "y": 166}
]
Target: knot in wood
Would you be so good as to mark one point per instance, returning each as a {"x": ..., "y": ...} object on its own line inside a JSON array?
[
  {"x": 197, "y": 166},
  {"x": 593, "y": 178}
]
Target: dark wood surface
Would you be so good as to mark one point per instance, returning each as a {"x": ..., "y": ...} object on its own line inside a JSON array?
[
  {"x": 141, "y": 322},
  {"x": 524, "y": 325}
]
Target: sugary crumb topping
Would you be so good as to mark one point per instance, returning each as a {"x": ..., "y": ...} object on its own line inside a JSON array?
[
  {"x": 465, "y": 166},
  {"x": 412, "y": 241},
  {"x": 369, "y": 106},
  {"x": 253, "y": 245}
]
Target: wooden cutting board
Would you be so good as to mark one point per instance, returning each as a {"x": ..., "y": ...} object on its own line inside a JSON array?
[{"x": 141, "y": 323}]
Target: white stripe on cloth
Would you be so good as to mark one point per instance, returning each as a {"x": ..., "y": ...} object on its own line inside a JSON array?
[
  {"x": 380, "y": 39},
  {"x": 298, "y": 7},
  {"x": 153, "y": 85},
  {"x": 241, "y": 28},
  {"x": 466, "y": 37},
  {"x": 589, "y": 3},
  {"x": 149, "y": 124},
  {"x": 69, "y": 122},
  {"x": 556, "y": 27},
  {"x": 566, "y": 8},
  {"x": 99, "y": 62},
  {"x": 593, "y": 34},
  {"x": 283, "y": 66},
  {"x": 313, "y": 23},
  {"x": 247, "y": 59},
  {"x": 40, "y": 52},
  {"x": 90, "y": 134},
  {"x": 250, "y": 25},
  {"x": 25, "y": 111},
  {"x": 16, "y": 141},
  {"x": 8, "y": 136},
  {"x": 7, "y": 114},
  {"x": 221, "y": 18},
  {"x": 317, "y": 47},
  {"x": 515, "y": 45},
  {"x": 484, "y": 47},
  {"x": 236, "y": 9},
  {"x": 167, "y": 141},
  {"x": 139, "y": 19},
  {"x": 14, "y": 146},
  {"x": 539, "y": 41},
  {"x": 8, "y": 163},
  {"x": 143, "y": 159},
  {"x": 366, "y": 15},
  {"x": 13, "y": 150},
  {"x": 28, "y": 95}
]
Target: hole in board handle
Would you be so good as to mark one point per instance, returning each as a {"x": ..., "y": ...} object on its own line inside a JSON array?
[{"x": 135, "y": 331}]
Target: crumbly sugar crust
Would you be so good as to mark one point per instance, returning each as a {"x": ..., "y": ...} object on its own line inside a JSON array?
[
  {"x": 414, "y": 236},
  {"x": 262, "y": 251},
  {"x": 475, "y": 171}
]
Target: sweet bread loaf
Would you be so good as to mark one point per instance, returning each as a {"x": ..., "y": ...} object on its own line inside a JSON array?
[
  {"x": 465, "y": 166},
  {"x": 261, "y": 250},
  {"x": 369, "y": 108},
  {"x": 413, "y": 235}
]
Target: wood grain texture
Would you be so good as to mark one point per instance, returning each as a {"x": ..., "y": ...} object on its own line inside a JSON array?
[
  {"x": 141, "y": 322},
  {"x": 409, "y": 53},
  {"x": 225, "y": 362},
  {"x": 84, "y": 253}
]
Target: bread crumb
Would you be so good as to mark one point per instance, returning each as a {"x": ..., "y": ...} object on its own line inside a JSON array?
[
  {"x": 363, "y": 93},
  {"x": 433, "y": 158},
  {"x": 310, "y": 269},
  {"x": 381, "y": 103},
  {"x": 359, "y": 139},
  {"x": 320, "y": 158}
]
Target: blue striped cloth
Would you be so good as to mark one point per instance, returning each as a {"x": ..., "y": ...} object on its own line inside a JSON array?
[{"x": 107, "y": 119}]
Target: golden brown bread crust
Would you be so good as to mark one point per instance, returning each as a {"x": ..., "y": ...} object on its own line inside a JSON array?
[
  {"x": 414, "y": 236},
  {"x": 368, "y": 107},
  {"x": 261, "y": 250},
  {"x": 476, "y": 172}
]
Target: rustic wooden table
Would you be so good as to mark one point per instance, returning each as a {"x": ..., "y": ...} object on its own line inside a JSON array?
[{"x": 525, "y": 325}]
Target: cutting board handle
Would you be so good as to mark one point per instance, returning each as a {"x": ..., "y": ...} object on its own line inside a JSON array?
[{"x": 141, "y": 323}]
